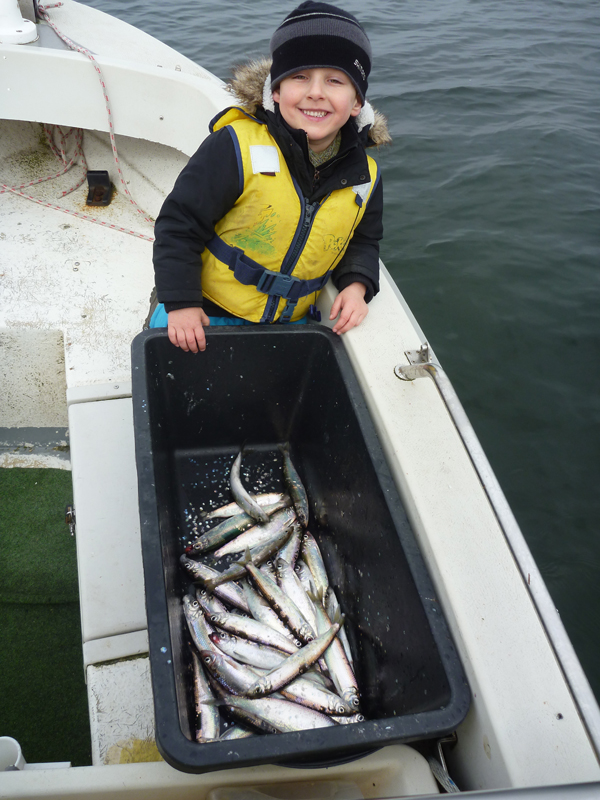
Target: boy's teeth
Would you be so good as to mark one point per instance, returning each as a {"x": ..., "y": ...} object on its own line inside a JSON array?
[{"x": 315, "y": 113}]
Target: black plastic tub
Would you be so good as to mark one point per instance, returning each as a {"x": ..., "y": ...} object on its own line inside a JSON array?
[{"x": 263, "y": 387}]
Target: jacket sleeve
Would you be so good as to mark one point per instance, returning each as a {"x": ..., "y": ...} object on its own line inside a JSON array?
[
  {"x": 360, "y": 262},
  {"x": 206, "y": 189}
]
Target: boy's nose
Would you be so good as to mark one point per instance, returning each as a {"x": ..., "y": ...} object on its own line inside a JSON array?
[{"x": 315, "y": 88}]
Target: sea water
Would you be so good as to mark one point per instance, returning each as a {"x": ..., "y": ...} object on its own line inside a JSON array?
[{"x": 492, "y": 220}]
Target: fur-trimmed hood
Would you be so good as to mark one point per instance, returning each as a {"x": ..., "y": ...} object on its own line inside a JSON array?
[{"x": 251, "y": 88}]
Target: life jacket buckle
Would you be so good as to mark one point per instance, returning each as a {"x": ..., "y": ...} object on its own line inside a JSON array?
[{"x": 275, "y": 283}]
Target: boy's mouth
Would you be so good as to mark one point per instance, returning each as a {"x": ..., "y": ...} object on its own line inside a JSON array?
[{"x": 314, "y": 114}]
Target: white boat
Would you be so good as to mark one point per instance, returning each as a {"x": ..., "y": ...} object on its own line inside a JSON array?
[{"x": 75, "y": 287}]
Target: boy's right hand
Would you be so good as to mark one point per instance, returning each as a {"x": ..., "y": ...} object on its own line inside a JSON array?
[{"x": 186, "y": 328}]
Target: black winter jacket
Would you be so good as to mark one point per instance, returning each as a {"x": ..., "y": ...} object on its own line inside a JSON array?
[{"x": 208, "y": 187}]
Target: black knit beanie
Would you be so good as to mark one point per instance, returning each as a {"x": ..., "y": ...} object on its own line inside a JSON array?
[{"x": 321, "y": 35}]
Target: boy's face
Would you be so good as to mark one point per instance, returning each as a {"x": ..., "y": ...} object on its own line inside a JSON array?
[{"x": 319, "y": 101}]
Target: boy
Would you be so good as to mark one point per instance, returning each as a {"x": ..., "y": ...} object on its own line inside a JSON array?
[{"x": 282, "y": 193}]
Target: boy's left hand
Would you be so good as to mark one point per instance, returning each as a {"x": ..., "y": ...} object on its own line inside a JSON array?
[{"x": 351, "y": 307}]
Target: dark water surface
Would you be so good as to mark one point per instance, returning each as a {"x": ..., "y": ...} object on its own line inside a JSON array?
[{"x": 492, "y": 190}]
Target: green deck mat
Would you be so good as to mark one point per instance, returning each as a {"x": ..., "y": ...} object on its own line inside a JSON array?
[{"x": 43, "y": 697}]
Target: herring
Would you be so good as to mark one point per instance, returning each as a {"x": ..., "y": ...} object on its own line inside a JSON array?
[
  {"x": 231, "y": 509},
  {"x": 241, "y": 496},
  {"x": 283, "y": 605},
  {"x": 294, "y": 665},
  {"x": 295, "y": 486}
]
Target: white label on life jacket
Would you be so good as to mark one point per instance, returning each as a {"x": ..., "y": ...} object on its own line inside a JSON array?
[
  {"x": 264, "y": 157},
  {"x": 362, "y": 189}
]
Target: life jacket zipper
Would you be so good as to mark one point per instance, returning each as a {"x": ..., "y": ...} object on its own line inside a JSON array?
[{"x": 291, "y": 259}]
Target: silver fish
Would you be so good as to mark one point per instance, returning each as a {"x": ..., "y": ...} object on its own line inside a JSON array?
[
  {"x": 251, "y": 653},
  {"x": 290, "y": 584},
  {"x": 254, "y": 630},
  {"x": 229, "y": 592},
  {"x": 235, "y": 732},
  {"x": 220, "y": 534},
  {"x": 207, "y": 713},
  {"x": 311, "y": 555},
  {"x": 286, "y": 608},
  {"x": 276, "y": 716},
  {"x": 339, "y": 668},
  {"x": 258, "y": 534},
  {"x": 231, "y": 528},
  {"x": 307, "y": 692},
  {"x": 262, "y": 611},
  {"x": 305, "y": 576},
  {"x": 291, "y": 548},
  {"x": 332, "y": 607},
  {"x": 348, "y": 720},
  {"x": 295, "y": 486},
  {"x": 209, "y": 603},
  {"x": 232, "y": 676},
  {"x": 231, "y": 509},
  {"x": 241, "y": 496},
  {"x": 198, "y": 627},
  {"x": 257, "y": 555},
  {"x": 294, "y": 665}
]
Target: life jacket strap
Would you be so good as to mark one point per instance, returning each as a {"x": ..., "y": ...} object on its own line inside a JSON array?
[{"x": 251, "y": 273}]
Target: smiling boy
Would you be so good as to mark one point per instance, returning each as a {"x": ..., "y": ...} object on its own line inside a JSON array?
[{"x": 282, "y": 194}]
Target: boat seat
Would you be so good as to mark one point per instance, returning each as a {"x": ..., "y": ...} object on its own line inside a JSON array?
[{"x": 109, "y": 556}]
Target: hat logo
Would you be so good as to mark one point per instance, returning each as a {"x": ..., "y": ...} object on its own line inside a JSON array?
[{"x": 359, "y": 67}]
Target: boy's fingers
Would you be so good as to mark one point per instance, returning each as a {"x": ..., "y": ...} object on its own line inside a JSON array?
[
  {"x": 200, "y": 338},
  {"x": 335, "y": 308}
]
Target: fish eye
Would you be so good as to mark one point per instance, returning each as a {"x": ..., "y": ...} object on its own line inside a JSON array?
[
  {"x": 360, "y": 718},
  {"x": 340, "y": 709},
  {"x": 355, "y": 701}
]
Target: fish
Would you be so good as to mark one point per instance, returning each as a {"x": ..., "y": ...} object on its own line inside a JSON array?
[
  {"x": 209, "y": 603},
  {"x": 290, "y": 583},
  {"x": 295, "y": 486},
  {"x": 277, "y": 599},
  {"x": 208, "y": 721},
  {"x": 254, "y": 630},
  {"x": 311, "y": 555},
  {"x": 273, "y": 715},
  {"x": 198, "y": 627},
  {"x": 256, "y": 556},
  {"x": 304, "y": 575},
  {"x": 308, "y": 693},
  {"x": 229, "y": 592},
  {"x": 332, "y": 607},
  {"x": 262, "y": 611},
  {"x": 291, "y": 549},
  {"x": 257, "y": 534},
  {"x": 251, "y": 653},
  {"x": 343, "y": 720},
  {"x": 235, "y": 732},
  {"x": 231, "y": 509},
  {"x": 234, "y": 677},
  {"x": 294, "y": 665},
  {"x": 241, "y": 496},
  {"x": 339, "y": 668},
  {"x": 229, "y": 529}
]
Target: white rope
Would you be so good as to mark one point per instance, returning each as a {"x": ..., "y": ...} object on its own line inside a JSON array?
[{"x": 60, "y": 150}]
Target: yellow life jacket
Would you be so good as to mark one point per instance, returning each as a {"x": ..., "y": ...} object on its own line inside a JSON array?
[{"x": 272, "y": 253}]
